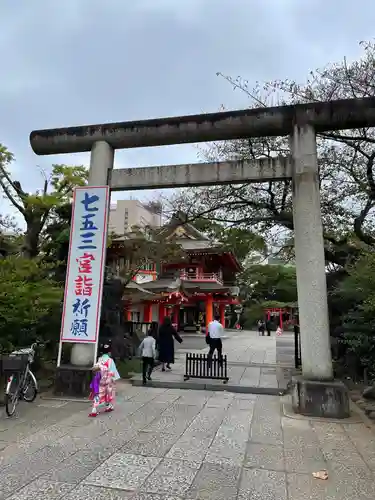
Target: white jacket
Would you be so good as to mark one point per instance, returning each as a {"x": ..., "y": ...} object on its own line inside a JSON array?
[{"x": 147, "y": 349}]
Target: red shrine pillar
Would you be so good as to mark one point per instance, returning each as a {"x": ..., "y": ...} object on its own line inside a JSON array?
[
  {"x": 222, "y": 314},
  {"x": 281, "y": 318},
  {"x": 127, "y": 313},
  {"x": 161, "y": 312},
  {"x": 147, "y": 312},
  {"x": 209, "y": 310}
]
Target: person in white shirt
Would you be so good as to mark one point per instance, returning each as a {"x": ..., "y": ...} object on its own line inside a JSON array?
[
  {"x": 214, "y": 334},
  {"x": 148, "y": 353}
]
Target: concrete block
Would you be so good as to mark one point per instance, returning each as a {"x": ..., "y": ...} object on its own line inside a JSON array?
[{"x": 314, "y": 398}]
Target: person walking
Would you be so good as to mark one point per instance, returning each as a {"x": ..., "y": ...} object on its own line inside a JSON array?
[
  {"x": 166, "y": 336},
  {"x": 148, "y": 353},
  {"x": 268, "y": 327},
  {"x": 215, "y": 332},
  {"x": 261, "y": 327},
  {"x": 103, "y": 383}
]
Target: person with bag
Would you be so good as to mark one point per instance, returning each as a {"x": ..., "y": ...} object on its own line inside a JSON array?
[
  {"x": 215, "y": 332},
  {"x": 103, "y": 383}
]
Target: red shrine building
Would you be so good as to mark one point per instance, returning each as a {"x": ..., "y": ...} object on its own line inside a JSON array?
[{"x": 192, "y": 291}]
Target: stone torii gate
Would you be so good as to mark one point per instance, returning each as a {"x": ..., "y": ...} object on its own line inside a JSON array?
[{"x": 315, "y": 393}]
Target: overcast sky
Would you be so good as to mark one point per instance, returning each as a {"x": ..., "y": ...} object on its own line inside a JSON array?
[{"x": 75, "y": 62}]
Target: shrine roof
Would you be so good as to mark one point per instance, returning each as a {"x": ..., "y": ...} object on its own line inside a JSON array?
[
  {"x": 188, "y": 244},
  {"x": 179, "y": 227},
  {"x": 183, "y": 233},
  {"x": 163, "y": 284},
  {"x": 204, "y": 286}
]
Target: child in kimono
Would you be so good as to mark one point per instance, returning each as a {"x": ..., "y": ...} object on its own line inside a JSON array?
[{"x": 103, "y": 384}]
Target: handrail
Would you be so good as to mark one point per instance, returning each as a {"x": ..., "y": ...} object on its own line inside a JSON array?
[{"x": 198, "y": 276}]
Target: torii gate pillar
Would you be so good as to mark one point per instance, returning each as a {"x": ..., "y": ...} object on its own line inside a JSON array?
[
  {"x": 315, "y": 393},
  {"x": 101, "y": 165}
]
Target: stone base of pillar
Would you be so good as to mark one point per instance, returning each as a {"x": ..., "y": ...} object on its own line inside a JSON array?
[
  {"x": 313, "y": 398},
  {"x": 73, "y": 381}
]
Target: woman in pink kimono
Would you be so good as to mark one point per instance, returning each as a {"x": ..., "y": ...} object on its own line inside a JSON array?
[{"x": 103, "y": 384}]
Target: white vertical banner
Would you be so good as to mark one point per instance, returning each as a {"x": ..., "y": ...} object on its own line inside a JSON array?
[{"x": 86, "y": 263}]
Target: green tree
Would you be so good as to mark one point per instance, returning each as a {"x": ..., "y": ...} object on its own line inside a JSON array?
[
  {"x": 38, "y": 208},
  {"x": 356, "y": 295},
  {"x": 262, "y": 283},
  {"x": 239, "y": 240},
  {"x": 30, "y": 302},
  {"x": 263, "y": 286},
  {"x": 55, "y": 241},
  {"x": 346, "y": 165}
]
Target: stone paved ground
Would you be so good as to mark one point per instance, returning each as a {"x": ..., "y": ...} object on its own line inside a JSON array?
[
  {"x": 251, "y": 363},
  {"x": 177, "y": 444}
]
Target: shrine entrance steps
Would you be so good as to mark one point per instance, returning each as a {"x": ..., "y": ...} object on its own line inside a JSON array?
[{"x": 255, "y": 365}]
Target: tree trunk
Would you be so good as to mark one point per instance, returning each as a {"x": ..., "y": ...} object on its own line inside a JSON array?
[{"x": 30, "y": 248}]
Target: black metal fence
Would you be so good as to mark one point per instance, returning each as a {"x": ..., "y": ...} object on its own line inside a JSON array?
[
  {"x": 201, "y": 366},
  {"x": 297, "y": 348}
]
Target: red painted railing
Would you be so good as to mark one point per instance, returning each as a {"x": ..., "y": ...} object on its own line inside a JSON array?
[{"x": 204, "y": 277}]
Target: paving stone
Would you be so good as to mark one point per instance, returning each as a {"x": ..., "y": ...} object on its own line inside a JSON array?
[
  {"x": 304, "y": 460},
  {"x": 262, "y": 485},
  {"x": 261, "y": 456},
  {"x": 42, "y": 490},
  {"x": 339, "y": 448},
  {"x": 182, "y": 411},
  {"x": 243, "y": 404},
  {"x": 364, "y": 440},
  {"x": 296, "y": 438},
  {"x": 154, "y": 496},
  {"x": 76, "y": 468},
  {"x": 339, "y": 487},
  {"x": 206, "y": 423},
  {"x": 123, "y": 471},
  {"x": 168, "y": 396},
  {"x": 216, "y": 402},
  {"x": 145, "y": 395},
  {"x": 194, "y": 398},
  {"x": 348, "y": 472},
  {"x": 85, "y": 492},
  {"x": 190, "y": 448},
  {"x": 110, "y": 441},
  {"x": 172, "y": 477},
  {"x": 168, "y": 425},
  {"x": 150, "y": 444},
  {"x": 214, "y": 482},
  {"x": 41, "y": 461},
  {"x": 266, "y": 430},
  {"x": 12, "y": 479}
]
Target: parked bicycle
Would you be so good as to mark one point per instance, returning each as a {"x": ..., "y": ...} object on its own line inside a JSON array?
[{"x": 21, "y": 383}]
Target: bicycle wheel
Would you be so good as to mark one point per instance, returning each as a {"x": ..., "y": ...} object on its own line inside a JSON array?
[
  {"x": 30, "y": 390},
  {"x": 12, "y": 398}
]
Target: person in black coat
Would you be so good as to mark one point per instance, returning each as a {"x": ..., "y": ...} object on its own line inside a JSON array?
[{"x": 166, "y": 337}]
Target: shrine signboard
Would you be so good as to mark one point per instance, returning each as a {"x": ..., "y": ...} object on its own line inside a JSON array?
[{"x": 86, "y": 263}]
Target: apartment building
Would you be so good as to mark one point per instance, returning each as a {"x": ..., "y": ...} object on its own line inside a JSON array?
[{"x": 124, "y": 214}]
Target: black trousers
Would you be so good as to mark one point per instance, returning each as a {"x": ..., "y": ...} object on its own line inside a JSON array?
[
  {"x": 147, "y": 367},
  {"x": 215, "y": 345}
]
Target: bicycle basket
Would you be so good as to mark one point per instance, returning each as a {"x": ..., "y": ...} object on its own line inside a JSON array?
[{"x": 16, "y": 363}]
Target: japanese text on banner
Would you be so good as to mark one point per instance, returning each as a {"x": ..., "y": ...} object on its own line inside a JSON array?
[{"x": 83, "y": 295}]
